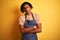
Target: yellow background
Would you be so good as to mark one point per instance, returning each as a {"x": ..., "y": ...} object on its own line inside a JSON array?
[{"x": 48, "y": 10}]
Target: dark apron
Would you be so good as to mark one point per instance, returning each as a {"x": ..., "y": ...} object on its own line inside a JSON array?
[{"x": 27, "y": 24}]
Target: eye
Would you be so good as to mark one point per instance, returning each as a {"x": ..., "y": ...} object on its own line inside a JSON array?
[{"x": 27, "y": 7}]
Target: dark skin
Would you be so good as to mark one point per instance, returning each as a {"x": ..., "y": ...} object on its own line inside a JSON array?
[{"x": 30, "y": 30}]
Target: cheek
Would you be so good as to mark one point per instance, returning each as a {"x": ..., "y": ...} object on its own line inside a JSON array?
[{"x": 28, "y": 8}]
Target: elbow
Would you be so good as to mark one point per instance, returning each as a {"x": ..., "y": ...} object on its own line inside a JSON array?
[
  {"x": 22, "y": 31},
  {"x": 39, "y": 31}
]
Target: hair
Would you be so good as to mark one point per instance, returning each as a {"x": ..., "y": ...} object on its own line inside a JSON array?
[{"x": 22, "y": 6}]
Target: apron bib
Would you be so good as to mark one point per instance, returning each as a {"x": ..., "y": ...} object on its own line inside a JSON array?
[{"x": 27, "y": 24}]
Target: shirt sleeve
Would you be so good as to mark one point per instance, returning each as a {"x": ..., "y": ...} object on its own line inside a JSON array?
[
  {"x": 21, "y": 21},
  {"x": 38, "y": 19}
]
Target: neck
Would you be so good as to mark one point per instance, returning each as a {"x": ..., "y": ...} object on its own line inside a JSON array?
[{"x": 28, "y": 13}]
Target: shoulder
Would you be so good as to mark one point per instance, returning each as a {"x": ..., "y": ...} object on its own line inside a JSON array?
[
  {"x": 35, "y": 15},
  {"x": 22, "y": 19},
  {"x": 22, "y": 16}
]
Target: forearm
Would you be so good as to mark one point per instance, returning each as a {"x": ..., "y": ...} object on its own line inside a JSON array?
[
  {"x": 36, "y": 30},
  {"x": 32, "y": 29},
  {"x": 24, "y": 30}
]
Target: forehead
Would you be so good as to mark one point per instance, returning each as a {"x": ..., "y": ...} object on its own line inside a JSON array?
[{"x": 26, "y": 5}]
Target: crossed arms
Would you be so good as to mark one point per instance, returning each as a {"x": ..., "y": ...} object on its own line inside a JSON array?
[{"x": 31, "y": 30}]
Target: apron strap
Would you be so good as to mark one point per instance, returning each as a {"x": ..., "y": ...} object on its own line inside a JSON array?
[{"x": 32, "y": 16}]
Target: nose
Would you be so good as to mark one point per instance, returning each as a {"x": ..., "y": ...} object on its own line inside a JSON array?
[{"x": 26, "y": 9}]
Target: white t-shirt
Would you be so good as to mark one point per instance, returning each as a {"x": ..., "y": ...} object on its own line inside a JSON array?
[{"x": 29, "y": 17}]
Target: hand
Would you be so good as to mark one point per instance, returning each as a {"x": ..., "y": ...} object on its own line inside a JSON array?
[{"x": 34, "y": 27}]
